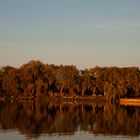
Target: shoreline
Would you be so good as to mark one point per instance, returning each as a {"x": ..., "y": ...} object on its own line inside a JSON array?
[
  {"x": 78, "y": 99},
  {"x": 58, "y": 99},
  {"x": 130, "y": 101}
]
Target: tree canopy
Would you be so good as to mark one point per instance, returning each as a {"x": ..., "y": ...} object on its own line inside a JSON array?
[{"x": 38, "y": 79}]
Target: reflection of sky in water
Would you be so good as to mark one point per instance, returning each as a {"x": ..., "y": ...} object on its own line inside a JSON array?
[{"x": 13, "y": 135}]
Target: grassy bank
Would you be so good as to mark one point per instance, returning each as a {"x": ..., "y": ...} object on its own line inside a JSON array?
[
  {"x": 59, "y": 99},
  {"x": 130, "y": 101}
]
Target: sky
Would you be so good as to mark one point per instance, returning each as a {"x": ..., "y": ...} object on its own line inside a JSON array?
[{"x": 84, "y": 33}]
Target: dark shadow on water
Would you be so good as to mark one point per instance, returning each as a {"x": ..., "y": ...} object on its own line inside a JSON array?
[{"x": 36, "y": 118}]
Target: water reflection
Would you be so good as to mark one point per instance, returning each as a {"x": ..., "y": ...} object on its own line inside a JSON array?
[{"x": 36, "y": 118}]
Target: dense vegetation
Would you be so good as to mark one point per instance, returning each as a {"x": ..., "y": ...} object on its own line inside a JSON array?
[{"x": 38, "y": 79}]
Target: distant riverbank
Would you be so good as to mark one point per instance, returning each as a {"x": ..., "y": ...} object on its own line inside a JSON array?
[
  {"x": 36, "y": 79},
  {"x": 130, "y": 101},
  {"x": 59, "y": 99},
  {"x": 78, "y": 99}
]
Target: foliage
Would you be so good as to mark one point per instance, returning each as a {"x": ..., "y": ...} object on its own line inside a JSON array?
[{"x": 37, "y": 79}]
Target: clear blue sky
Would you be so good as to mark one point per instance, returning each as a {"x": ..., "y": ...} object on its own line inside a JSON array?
[{"x": 84, "y": 33}]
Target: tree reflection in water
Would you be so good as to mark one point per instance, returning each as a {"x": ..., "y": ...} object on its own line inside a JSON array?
[{"x": 36, "y": 118}]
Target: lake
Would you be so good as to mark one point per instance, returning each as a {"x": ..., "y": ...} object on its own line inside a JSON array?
[{"x": 68, "y": 120}]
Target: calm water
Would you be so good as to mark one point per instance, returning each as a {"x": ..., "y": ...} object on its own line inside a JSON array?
[{"x": 74, "y": 121}]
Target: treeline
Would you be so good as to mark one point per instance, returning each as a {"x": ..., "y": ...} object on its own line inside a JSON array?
[{"x": 38, "y": 79}]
